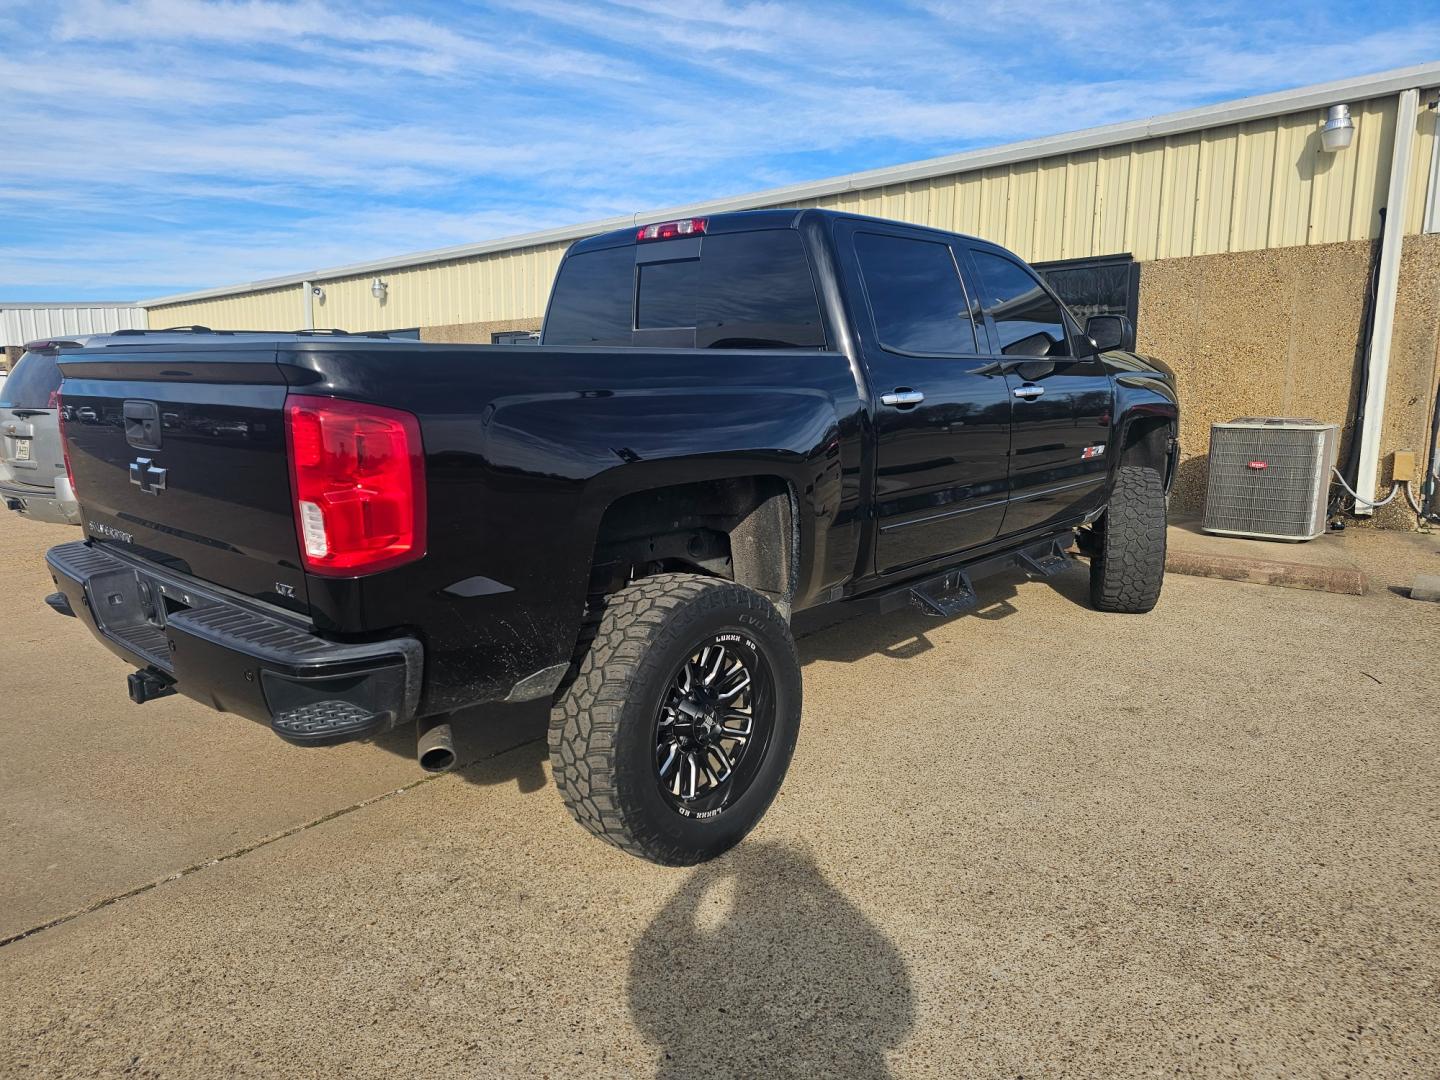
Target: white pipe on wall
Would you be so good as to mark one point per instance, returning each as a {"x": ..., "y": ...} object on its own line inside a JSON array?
[
  {"x": 305, "y": 287},
  {"x": 1387, "y": 288}
]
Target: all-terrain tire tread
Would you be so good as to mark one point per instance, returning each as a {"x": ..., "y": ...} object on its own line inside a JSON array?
[
  {"x": 1127, "y": 569},
  {"x": 585, "y": 719}
]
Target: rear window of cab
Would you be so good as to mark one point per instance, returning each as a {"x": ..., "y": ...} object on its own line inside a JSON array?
[{"x": 750, "y": 290}]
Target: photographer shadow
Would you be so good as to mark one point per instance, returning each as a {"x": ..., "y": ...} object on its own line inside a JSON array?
[{"x": 758, "y": 966}]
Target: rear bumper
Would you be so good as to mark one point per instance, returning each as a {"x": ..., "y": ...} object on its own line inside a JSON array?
[
  {"x": 56, "y": 506},
  {"x": 237, "y": 657}
]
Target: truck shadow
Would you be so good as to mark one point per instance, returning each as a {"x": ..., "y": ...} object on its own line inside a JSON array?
[
  {"x": 851, "y": 631},
  {"x": 510, "y": 739},
  {"x": 758, "y": 966}
]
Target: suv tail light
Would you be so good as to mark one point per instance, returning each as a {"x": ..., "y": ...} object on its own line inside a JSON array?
[{"x": 357, "y": 475}]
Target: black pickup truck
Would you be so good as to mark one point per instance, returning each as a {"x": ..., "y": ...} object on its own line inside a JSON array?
[{"x": 727, "y": 421}]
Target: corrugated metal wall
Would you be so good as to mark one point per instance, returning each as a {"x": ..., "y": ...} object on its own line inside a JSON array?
[
  {"x": 1242, "y": 187},
  {"x": 505, "y": 285},
  {"x": 19, "y": 324},
  {"x": 270, "y": 309},
  {"x": 487, "y": 288}
]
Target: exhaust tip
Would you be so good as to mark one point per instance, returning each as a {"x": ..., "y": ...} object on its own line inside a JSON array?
[
  {"x": 435, "y": 748},
  {"x": 438, "y": 759}
]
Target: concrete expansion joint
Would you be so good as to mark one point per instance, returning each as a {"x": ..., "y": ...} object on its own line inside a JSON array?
[{"x": 240, "y": 852}]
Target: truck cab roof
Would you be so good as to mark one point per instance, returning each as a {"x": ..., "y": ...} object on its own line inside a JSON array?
[{"x": 733, "y": 221}]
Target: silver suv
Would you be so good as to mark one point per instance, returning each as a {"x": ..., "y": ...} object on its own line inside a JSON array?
[
  {"x": 33, "y": 481},
  {"x": 32, "y": 457}
]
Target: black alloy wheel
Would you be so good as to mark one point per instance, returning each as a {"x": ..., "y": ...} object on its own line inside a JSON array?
[
  {"x": 673, "y": 733},
  {"x": 714, "y": 725}
]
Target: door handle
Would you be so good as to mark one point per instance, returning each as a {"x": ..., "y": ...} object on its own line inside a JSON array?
[
  {"x": 902, "y": 397},
  {"x": 1029, "y": 393}
]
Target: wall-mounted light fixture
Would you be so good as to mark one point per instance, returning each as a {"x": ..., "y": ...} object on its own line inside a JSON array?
[
  {"x": 378, "y": 289},
  {"x": 1339, "y": 129},
  {"x": 318, "y": 293}
]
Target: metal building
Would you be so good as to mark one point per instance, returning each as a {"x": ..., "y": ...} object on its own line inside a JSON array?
[
  {"x": 1252, "y": 233},
  {"x": 25, "y": 320}
]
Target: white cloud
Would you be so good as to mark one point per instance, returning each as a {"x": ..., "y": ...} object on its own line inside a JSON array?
[
  {"x": 345, "y": 33},
  {"x": 178, "y": 143}
]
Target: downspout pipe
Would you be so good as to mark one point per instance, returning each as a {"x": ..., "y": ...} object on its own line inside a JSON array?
[
  {"x": 1431, "y": 488},
  {"x": 1367, "y": 474},
  {"x": 1362, "y": 361},
  {"x": 308, "y": 288}
]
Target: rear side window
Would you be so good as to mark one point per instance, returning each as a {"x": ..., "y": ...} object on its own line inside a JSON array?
[
  {"x": 1027, "y": 319},
  {"x": 592, "y": 299},
  {"x": 916, "y": 298},
  {"x": 32, "y": 382},
  {"x": 756, "y": 292},
  {"x": 746, "y": 290}
]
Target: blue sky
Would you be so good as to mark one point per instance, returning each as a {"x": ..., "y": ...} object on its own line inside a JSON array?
[{"x": 155, "y": 146}]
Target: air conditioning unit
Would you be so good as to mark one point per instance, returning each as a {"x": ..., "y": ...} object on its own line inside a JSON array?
[{"x": 1270, "y": 477}]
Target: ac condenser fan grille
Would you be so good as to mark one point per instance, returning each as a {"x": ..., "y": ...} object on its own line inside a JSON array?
[{"x": 1269, "y": 478}]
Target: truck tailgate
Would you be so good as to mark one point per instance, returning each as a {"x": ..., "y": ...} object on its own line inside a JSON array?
[{"x": 180, "y": 457}]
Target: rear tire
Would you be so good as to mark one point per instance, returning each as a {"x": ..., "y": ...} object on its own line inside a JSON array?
[
  {"x": 639, "y": 703},
  {"x": 1127, "y": 562}
]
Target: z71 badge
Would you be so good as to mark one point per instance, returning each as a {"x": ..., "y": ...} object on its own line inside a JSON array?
[{"x": 1092, "y": 452}]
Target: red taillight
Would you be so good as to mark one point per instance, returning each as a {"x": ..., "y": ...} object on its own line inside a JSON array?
[
  {"x": 59, "y": 406},
  {"x": 670, "y": 230},
  {"x": 357, "y": 476}
]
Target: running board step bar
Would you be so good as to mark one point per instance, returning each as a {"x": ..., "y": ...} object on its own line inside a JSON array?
[
  {"x": 1044, "y": 563},
  {"x": 944, "y": 597},
  {"x": 953, "y": 592}
]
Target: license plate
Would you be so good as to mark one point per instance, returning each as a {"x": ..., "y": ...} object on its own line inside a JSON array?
[{"x": 22, "y": 449}]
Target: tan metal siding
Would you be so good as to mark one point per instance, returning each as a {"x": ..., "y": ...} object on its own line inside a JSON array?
[
  {"x": 1141, "y": 210},
  {"x": 1215, "y": 190},
  {"x": 490, "y": 288},
  {"x": 1421, "y": 156},
  {"x": 1239, "y": 187},
  {"x": 272, "y": 309}
]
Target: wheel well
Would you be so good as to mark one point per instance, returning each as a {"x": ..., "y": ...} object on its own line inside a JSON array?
[
  {"x": 1147, "y": 442},
  {"x": 740, "y": 528}
]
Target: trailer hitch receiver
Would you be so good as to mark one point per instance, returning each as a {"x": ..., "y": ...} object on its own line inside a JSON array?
[{"x": 147, "y": 684}]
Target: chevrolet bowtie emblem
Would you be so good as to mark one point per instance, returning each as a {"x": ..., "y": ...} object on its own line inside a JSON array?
[{"x": 148, "y": 477}]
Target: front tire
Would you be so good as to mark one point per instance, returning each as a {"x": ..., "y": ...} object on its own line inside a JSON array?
[
  {"x": 1127, "y": 561},
  {"x": 673, "y": 737}
]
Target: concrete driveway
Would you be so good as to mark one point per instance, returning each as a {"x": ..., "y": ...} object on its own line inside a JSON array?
[{"x": 1035, "y": 841}]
